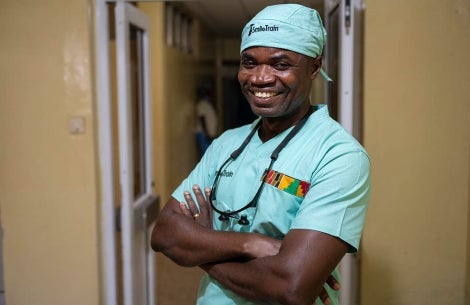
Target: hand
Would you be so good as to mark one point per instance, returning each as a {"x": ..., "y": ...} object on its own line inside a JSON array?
[
  {"x": 333, "y": 283},
  {"x": 202, "y": 214}
]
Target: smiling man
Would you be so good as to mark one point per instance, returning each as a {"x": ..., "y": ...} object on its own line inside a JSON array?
[{"x": 283, "y": 198}]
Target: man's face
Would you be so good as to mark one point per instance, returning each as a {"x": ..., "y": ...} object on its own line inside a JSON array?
[{"x": 276, "y": 82}]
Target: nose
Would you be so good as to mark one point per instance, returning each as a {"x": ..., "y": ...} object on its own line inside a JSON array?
[{"x": 262, "y": 75}]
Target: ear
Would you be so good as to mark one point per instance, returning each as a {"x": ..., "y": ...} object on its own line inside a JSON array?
[{"x": 315, "y": 66}]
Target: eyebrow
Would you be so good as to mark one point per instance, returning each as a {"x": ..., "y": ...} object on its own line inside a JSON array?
[
  {"x": 246, "y": 56},
  {"x": 271, "y": 59},
  {"x": 280, "y": 57}
]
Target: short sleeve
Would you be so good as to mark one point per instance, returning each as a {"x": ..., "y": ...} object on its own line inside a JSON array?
[
  {"x": 338, "y": 198},
  {"x": 202, "y": 174}
]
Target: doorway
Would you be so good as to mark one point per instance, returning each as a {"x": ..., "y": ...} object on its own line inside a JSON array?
[
  {"x": 129, "y": 205},
  {"x": 344, "y": 24}
]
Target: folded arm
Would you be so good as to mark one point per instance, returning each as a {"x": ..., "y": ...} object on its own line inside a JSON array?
[
  {"x": 193, "y": 243},
  {"x": 250, "y": 264},
  {"x": 294, "y": 276}
]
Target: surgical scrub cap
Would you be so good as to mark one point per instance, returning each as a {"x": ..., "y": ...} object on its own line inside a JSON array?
[{"x": 291, "y": 27}]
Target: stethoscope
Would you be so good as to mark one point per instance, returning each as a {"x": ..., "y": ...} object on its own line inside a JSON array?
[{"x": 243, "y": 219}]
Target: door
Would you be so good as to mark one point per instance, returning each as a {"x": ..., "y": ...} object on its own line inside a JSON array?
[
  {"x": 137, "y": 202},
  {"x": 344, "y": 25}
]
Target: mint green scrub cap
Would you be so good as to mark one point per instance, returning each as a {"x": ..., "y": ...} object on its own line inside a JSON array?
[{"x": 291, "y": 27}]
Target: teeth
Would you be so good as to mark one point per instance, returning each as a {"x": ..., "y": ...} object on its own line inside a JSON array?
[{"x": 264, "y": 94}]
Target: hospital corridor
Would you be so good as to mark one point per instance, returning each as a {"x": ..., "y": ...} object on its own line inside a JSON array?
[{"x": 107, "y": 105}]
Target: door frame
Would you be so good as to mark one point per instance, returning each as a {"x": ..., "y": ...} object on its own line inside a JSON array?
[
  {"x": 109, "y": 217},
  {"x": 349, "y": 94},
  {"x": 137, "y": 262},
  {"x": 106, "y": 156}
]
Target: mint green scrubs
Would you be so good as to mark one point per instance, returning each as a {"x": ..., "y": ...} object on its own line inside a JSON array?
[{"x": 320, "y": 181}]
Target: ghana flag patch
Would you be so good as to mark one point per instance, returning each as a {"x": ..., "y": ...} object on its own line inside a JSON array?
[{"x": 286, "y": 183}]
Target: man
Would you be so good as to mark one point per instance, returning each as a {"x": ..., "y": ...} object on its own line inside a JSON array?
[{"x": 288, "y": 193}]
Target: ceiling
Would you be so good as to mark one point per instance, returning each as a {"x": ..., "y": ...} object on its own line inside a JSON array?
[{"x": 227, "y": 17}]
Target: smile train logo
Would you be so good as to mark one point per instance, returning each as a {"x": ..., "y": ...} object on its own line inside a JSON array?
[{"x": 262, "y": 28}]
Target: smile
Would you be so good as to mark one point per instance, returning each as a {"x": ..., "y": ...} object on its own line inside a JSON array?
[{"x": 264, "y": 94}]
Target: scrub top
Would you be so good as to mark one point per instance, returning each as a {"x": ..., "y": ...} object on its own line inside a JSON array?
[{"x": 320, "y": 181}]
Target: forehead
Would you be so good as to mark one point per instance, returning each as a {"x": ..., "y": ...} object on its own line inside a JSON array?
[{"x": 271, "y": 53}]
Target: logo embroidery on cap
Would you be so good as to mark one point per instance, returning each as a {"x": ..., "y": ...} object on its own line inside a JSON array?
[
  {"x": 260, "y": 28},
  {"x": 286, "y": 183}
]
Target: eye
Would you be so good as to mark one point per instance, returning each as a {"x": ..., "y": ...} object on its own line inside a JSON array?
[
  {"x": 281, "y": 66},
  {"x": 248, "y": 64}
]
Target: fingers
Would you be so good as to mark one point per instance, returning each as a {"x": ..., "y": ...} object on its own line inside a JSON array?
[
  {"x": 200, "y": 210},
  {"x": 332, "y": 282},
  {"x": 202, "y": 206},
  {"x": 207, "y": 190},
  {"x": 324, "y": 297},
  {"x": 191, "y": 205},
  {"x": 202, "y": 200},
  {"x": 207, "y": 207},
  {"x": 184, "y": 209},
  {"x": 199, "y": 195}
]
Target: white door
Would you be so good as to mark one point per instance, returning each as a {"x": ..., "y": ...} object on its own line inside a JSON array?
[
  {"x": 135, "y": 155},
  {"x": 344, "y": 25}
]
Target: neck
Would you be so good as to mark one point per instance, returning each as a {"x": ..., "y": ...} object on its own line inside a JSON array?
[{"x": 271, "y": 127}]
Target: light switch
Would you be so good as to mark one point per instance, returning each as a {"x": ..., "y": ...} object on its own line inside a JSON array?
[{"x": 77, "y": 125}]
